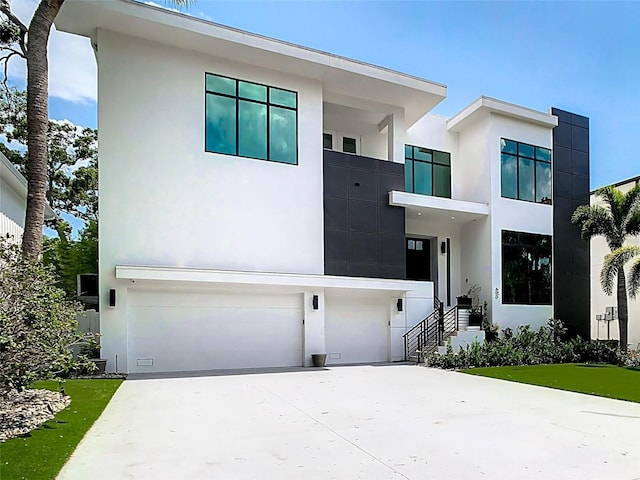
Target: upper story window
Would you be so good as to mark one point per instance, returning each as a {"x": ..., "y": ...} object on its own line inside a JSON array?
[
  {"x": 526, "y": 171},
  {"x": 526, "y": 268},
  {"x": 341, "y": 142},
  {"x": 427, "y": 171},
  {"x": 250, "y": 120}
]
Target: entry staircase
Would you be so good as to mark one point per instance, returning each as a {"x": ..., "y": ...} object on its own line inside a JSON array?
[{"x": 432, "y": 332}]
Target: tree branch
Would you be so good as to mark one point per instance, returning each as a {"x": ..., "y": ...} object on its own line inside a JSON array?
[
  {"x": 6, "y": 9},
  {"x": 6, "y": 59}
]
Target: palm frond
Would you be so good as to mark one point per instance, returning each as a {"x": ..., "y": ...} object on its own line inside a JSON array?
[
  {"x": 632, "y": 206},
  {"x": 614, "y": 200},
  {"x": 634, "y": 279},
  {"x": 594, "y": 220},
  {"x": 613, "y": 262}
]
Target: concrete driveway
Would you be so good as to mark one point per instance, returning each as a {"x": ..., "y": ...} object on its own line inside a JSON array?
[{"x": 370, "y": 422}]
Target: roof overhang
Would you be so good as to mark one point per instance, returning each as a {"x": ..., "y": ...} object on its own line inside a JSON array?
[
  {"x": 451, "y": 212},
  {"x": 290, "y": 281},
  {"x": 337, "y": 74},
  {"x": 484, "y": 105},
  {"x": 16, "y": 181}
]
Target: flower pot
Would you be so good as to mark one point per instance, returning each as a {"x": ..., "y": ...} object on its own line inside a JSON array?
[
  {"x": 475, "y": 319},
  {"x": 101, "y": 364},
  {"x": 319, "y": 359},
  {"x": 464, "y": 301}
]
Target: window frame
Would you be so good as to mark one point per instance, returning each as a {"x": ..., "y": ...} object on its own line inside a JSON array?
[
  {"x": 268, "y": 103},
  {"x": 535, "y": 161},
  {"x": 522, "y": 244},
  {"x": 433, "y": 163}
]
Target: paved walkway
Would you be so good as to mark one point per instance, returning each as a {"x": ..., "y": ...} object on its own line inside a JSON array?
[{"x": 369, "y": 422}]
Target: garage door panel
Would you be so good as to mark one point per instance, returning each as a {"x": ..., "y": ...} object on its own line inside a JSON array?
[
  {"x": 210, "y": 336},
  {"x": 356, "y": 329}
]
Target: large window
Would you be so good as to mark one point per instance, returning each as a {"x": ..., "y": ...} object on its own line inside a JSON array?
[
  {"x": 427, "y": 171},
  {"x": 251, "y": 120},
  {"x": 526, "y": 171},
  {"x": 526, "y": 268}
]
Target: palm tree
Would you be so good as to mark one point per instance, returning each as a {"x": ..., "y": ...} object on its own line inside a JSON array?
[
  {"x": 31, "y": 44},
  {"x": 616, "y": 220},
  {"x": 614, "y": 261}
]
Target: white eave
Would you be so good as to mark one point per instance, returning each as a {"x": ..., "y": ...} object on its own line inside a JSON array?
[
  {"x": 485, "y": 105},
  {"x": 16, "y": 181},
  {"x": 439, "y": 209},
  {"x": 228, "y": 277},
  {"x": 337, "y": 74}
]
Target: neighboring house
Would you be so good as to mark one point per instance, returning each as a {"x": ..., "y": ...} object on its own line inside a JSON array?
[
  {"x": 604, "y": 322},
  {"x": 261, "y": 201},
  {"x": 13, "y": 200}
]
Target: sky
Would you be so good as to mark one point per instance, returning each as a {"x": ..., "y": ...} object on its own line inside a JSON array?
[{"x": 577, "y": 56}]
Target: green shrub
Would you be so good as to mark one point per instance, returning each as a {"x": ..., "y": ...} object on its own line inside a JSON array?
[
  {"x": 37, "y": 324},
  {"x": 526, "y": 347}
]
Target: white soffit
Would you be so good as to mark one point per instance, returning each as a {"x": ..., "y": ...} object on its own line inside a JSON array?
[
  {"x": 338, "y": 74},
  {"x": 227, "y": 277},
  {"x": 490, "y": 105},
  {"x": 436, "y": 208}
]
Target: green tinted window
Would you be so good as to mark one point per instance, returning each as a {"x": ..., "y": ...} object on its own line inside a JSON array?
[
  {"x": 543, "y": 154},
  {"x": 422, "y": 176},
  {"x": 251, "y": 91},
  {"x": 282, "y": 97},
  {"x": 526, "y": 268},
  {"x": 282, "y": 135},
  {"x": 543, "y": 182},
  {"x": 442, "y": 158},
  {"x": 442, "y": 181},
  {"x": 509, "y": 170},
  {"x": 508, "y": 146},
  {"x": 427, "y": 172},
  {"x": 252, "y": 130},
  {"x": 251, "y": 120},
  {"x": 525, "y": 179},
  {"x": 525, "y": 172},
  {"x": 525, "y": 150},
  {"x": 220, "y": 126},
  {"x": 408, "y": 151},
  {"x": 422, "y": 154},
  {"x": 408, "y": 175},
  {"x": 217, "y": 84}
]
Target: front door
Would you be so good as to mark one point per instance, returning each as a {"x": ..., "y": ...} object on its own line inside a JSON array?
[{"x": 419, "y": 259}]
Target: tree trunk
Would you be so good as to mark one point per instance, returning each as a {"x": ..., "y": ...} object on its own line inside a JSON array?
[
  {"x": 37, "y": 126},
  {"x": 623, "y": 314}
]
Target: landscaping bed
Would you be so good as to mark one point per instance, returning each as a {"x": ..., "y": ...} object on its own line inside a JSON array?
[{"x": 41, "y": 453}]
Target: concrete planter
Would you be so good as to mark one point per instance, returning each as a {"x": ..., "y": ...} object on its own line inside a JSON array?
[
  {"x": 101, "y": 364},
  {"x": 319, "y": 359}
]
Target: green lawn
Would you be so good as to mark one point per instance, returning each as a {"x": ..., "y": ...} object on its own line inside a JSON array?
[
  {"x": 597, "y": 379},
  {"x": 40, "y": 454}
]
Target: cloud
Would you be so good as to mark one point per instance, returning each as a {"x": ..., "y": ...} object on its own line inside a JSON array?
[{"x": 72, "y": 64}]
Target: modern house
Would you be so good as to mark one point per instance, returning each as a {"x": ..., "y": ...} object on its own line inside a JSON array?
[
  {"x": 13, "y": 201},
  {"x": 604, "y": 312},
  {"x": 261, "y": 201}
]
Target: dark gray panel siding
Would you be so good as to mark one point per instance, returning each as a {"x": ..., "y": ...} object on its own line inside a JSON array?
[
  {"x": 363, "y": 235},
  {"x": 570, "y": 253}
]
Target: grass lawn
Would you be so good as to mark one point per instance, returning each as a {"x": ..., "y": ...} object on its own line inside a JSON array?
[
  {"x": 40, "y": 454},
  {"x": 594, "y": 379}
]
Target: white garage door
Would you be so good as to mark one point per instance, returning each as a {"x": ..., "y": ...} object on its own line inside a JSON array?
[
  {"x": 357, "y": 329},
  {"x": 171, "y": 330}
]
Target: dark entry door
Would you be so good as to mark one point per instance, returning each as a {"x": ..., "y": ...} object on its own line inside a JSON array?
[{"x": 418, "y": 259}]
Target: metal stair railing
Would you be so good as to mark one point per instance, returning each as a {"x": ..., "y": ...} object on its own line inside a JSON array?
[{"x": 431, "y": 332}]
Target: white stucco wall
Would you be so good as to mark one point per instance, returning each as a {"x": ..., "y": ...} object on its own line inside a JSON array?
[
  {"x": 516, "y": 215},
  {"x": 600, "y": 300},
  {"x": 173, "y": 204}
]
